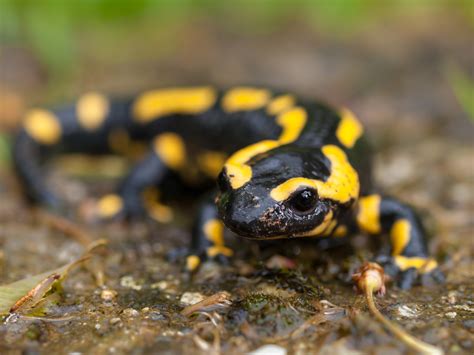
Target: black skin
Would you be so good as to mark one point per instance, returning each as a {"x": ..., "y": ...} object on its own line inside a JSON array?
[{"x": 248, "y": 211}]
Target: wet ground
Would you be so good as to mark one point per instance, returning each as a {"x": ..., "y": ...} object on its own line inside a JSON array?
[{"x": 394, "y": 76}]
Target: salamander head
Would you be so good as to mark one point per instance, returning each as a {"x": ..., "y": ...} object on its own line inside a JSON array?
[{"x": 291, "y": 192}]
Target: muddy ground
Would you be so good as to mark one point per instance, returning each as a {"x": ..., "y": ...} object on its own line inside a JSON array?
[{"x": 394, "y": 75}]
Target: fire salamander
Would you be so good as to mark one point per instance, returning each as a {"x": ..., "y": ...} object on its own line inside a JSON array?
[{"x": 286, "y": 167}]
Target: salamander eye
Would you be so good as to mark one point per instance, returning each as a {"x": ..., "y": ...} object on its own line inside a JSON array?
[{"x": 303, "y": 201}]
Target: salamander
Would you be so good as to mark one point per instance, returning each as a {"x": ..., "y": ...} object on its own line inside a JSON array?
[{"x": 285, "y": 167}]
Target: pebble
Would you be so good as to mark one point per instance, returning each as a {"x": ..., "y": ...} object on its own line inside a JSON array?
[
  {"x": 129, "y": 282},
  {"x": 162, "y": 285},
  {"x": 269, "y": 349},
  {"x": 156, "y": 316},
  {"x": 452, "y": 299},
  {"x": 189, "y": 298},
  {"x": 108, "y": 295},
  {"x": 469, "y": 324},
  {"x": 115, "y": 320},
  {"x": 130, "y": 312},
  {"x": 451, "y": 315},
  {"x": 407, "y": 312}
]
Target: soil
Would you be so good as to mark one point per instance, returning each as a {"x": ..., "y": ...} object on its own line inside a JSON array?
[{"x": 393, "y": 76}]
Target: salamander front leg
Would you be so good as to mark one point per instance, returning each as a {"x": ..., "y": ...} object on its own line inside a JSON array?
[
  {"x": 136, "y": 193},
  {"x": 208, "y": 237},
  {"x": 409, "y": 255}
]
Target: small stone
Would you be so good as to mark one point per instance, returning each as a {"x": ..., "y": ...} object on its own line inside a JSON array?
[
  {"x": 162, "y": 285},
  {"x": 407, "y": 312},
  {"x": 115, "y": 320},
  {"x": 108, "y": 295},
  {"x": 156, "y": 316},
  {"x": 269, "y": 349},
  {"x": 146, "y": 310},
  {"x": 130, "y": 312},
  {"x": 469, "y": 324},
  {"x": 129, "y": 282},
  {"x": 189, "y": 298},
  {"x": 452, "y": 297},
  {"x": 451, "y": 315}
]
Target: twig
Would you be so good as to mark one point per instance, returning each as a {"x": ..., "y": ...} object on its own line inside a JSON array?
[
  {"x": 371, "y": 279},
  {"x": 217, "y": 300},
  {"x": 67, "y": 227}
]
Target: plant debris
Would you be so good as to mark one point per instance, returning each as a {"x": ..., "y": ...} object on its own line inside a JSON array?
[
  {"x": 371, "y": 279},
  {"x": 218, "y": 300}
]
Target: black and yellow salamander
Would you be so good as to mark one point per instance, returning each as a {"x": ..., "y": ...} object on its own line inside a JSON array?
[{"x": 286, "y": 167}]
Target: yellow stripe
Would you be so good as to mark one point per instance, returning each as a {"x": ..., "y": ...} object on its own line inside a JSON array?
[
  {"x": 341, "y": 231},
  {"x": 109, "y": 206},
  {"x": 43, "y": 126},
  {"x": 280, "y": 104},
  {"x": 239, "y": 173},
  {"x": 245, "y": 99},
  {"x": 292, "y": 122},
  {"x": 349, "y": 129},
  {"x": 171, "y": 149},
  {"x": 368, "y": 215},
  {"x": 211, "y": 162},
  {"x": 214, "y": 231},
  {"x": 341, "y": 186},
  {"x": 92, "y": 110},
  {"x": 400, "y": 236},
  {"x": 423, "y": 265},
  {"x": 321, "y": 228},
  {"x": 158, "y": 211},
  {"x": 158, "y": 103},
  {"x": 192, "y": 262}
]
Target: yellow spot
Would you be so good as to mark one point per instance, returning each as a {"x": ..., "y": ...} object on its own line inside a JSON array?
[
  {"x": 158, "y": 103},
  {"x": 292, "y": 122},
  {"x": 171, "y": 149},
  {"x": 192, "y": 262},
  {"x": 368, "y": 215},
  {"x": 423, "y": 265},
  {"x": 349, "y": 129},
  {"x": 330, "y": 229},
  {"x": 214, "y": 231},
  {"x": 219, "y": 250},
  {"x": 109, "y": 206},
  {"x": 245, "y": 99},
  {"x": 211, "y": 163},
  {"x": 156, "y": 210},
  {"x": 341, "y": 231},
  {"x": 321, "y": 229},
  {"x": 341, "y": 186},
  {"x": 400, "y": 236},
  {"x": 240, "y": 173},
  {"x": 280, "y": 104},
  {"x": 160, "y": 213},
  {"x": 43, "y": 126},
  {"x": 92, "y": 110}
]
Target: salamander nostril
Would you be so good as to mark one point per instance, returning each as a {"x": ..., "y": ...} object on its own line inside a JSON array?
[{"x": 223, "y": 181}]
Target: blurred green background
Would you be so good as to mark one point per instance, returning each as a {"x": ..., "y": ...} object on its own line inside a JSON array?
[
  {"x": 61, "y": 32},
  {"x": 340, "y": 50}
]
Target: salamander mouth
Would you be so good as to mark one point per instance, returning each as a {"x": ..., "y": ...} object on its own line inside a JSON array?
[{"x": 260, "y": 231}]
